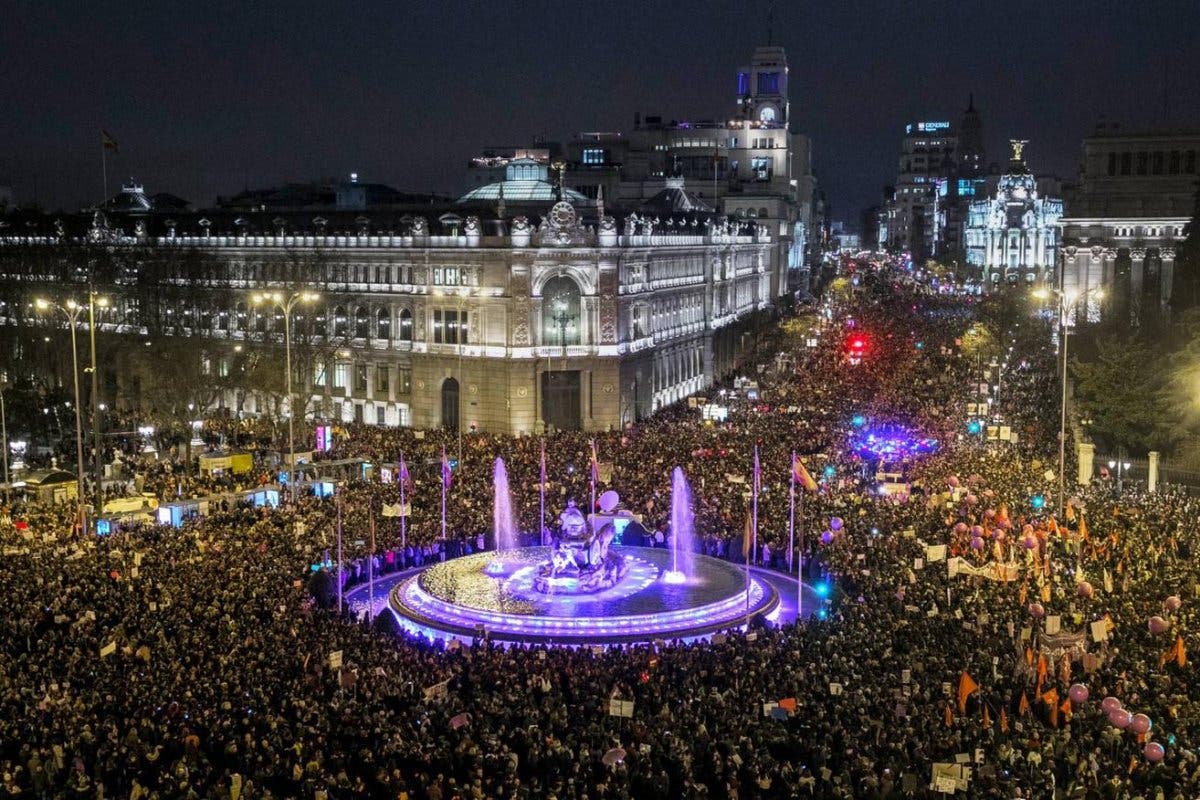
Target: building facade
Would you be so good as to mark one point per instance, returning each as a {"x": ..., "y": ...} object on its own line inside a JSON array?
[
  {"x": 1125, "y": 218},
  {"x": 430, "y": 324},
  {"x": 1012, "y": 234}
]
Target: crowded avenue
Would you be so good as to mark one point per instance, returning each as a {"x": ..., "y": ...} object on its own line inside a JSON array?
[{"x": 958, "y": 635}]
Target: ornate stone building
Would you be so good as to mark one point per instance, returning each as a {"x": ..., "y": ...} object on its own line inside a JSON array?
[
  {"x": 1125, "y": 219},
  {"x": 1012, "y": 235},
  {"x": 503, "y": 324}
]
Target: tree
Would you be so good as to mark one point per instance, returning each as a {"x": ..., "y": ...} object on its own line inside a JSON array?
[{"x": 1123, "y": 392}]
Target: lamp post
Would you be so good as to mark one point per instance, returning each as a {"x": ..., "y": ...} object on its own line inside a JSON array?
[
  {"x": 1121, "y": 467},
  {"x": 95, "y": 301},
  {"x": 277, "y": 300},
  {"x": 72, "y": 310},
  {"x": 1067, "y": 301},
  {"x": 4, "y": 440},
  {"x": 461, "y": 338}
]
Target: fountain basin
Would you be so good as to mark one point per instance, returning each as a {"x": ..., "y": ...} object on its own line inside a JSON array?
[{"x": 460, "y": 598}]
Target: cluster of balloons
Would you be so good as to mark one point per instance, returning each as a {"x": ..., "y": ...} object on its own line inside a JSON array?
[
  {"x": 1140, "y": 724},
  {"x": 835, "y": 526}
]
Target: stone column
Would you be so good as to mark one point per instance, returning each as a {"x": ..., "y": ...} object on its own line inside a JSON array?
[
  {"x": 1137, "y": 262},
  {"x": 1167, "y": 255},
  {"x": 1152, "y": 478},
  {"x": 1095, "y": 277},
  {"x": 1085, "y": 453}
]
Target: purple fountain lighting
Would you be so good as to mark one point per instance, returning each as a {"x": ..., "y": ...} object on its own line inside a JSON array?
[
  {"x": 503, "y": 526},
  {"x": 683, "y": 534}
]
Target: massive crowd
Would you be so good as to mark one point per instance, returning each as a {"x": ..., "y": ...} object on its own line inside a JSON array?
[{"x": 196, "y": 662}]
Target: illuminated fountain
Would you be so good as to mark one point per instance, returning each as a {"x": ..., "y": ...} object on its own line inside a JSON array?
[
  {"x": 683, "y": 535},
  {"x": 586, "y": 588},
  {"x": 504, "y": 528}
]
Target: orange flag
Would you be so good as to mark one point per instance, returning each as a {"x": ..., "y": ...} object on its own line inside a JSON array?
[
  {"x": 788, "y": 704},
  {"x": 1070, "y": 513},
  {"x": 1004, "y": 719},
  {"x": 1023, "y": 707},
  {"x": 1065, "y": 708},
  {"x": 1050, "y": 698},
  {"x": 1083, "y": 531},
  {"x": 1042, "y": 667},
  {"x": 948, "y": 718},
  {"x": 966, "y": 687},
  {"x": 1029, "y": 656},
  {"x": 987, "y": 718},
  {"x": 1023, "y": 593},
  {"x": 1046, "y": 593},
  {"x": 1176, "y": 654}
]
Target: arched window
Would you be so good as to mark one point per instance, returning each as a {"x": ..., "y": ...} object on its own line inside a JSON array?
[
  {"x": 383, "y": 324},
  {"x": 406, "y": 325},
  {"x": 339, "y": 321},
  {"x": 450, "y": 404},
  {"x": 560, "y": 312},
  {"x": 362, "y": 325}
]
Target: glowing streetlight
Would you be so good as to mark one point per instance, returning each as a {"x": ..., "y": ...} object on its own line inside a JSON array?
[{"x": 286, "y": 305}]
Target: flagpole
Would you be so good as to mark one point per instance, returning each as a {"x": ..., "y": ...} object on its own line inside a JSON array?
[
  {"x": 800, "y": 566},
  {"x": 542, "y": 497},
  {"x": 443, "y": 503},
  {"x": 403, "y": 524},
  {"x": 338, "y": 497},
  {"x": 371, "y": 569},
  {"x": 792, "y": 512}
]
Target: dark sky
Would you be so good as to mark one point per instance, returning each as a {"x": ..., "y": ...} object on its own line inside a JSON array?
[{"x": 212, "y": 97}]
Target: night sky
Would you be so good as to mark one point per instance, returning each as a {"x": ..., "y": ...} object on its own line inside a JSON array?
[{"x": 210, "y": 98}]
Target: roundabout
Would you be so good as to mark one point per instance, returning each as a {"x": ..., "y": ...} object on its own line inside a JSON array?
[{"x": 503, "y": 595}]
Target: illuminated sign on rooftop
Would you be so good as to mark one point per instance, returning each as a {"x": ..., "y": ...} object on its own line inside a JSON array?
[{"x": 927, "y": 127}]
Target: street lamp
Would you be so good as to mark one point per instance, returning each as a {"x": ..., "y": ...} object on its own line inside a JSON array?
[
  {"x": 72, "y": 310},
  {"x": 1067, "y": 301},
  {"x": 1121, "y": 468},
  {"x": 94, "y": 302},
  {"x": 276, "y": 299},
  {"x": 463, "y": 294}
]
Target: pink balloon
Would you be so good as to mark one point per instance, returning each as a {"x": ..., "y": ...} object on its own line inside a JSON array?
[
  {"x": 953, "y": 481},
  {"x": 972, "y": 499},
  {"x": 827, "y": 537},
  {"x": 1173, "y": 603},
  {"x": 990, "y": 513},
  {"x": 1157, "y": 624},
  {"x": 1154, "y": 752},
  {"x": 1084, "y": 589},
  {"x": 976, "y": 531},
  {"x": 1030, "y": 542},
  {"x": 1120, "y": 718},
  {"x": 835, "y": 523},
  {"x": 1110, "y": 704},
  {"x": 1140, "y": 723},
  {"x": 988, "y": 493},
  {"x": 1078, "y": 694},
  {"x": 960, "y": 528},
  {"x": 1036, "y": 610},
  {"x": 977, "y": 544}
]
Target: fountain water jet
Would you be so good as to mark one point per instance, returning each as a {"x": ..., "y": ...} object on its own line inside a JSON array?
[
  {"x": 683, "y": 534},
  {"x": 503, "y": 525}
]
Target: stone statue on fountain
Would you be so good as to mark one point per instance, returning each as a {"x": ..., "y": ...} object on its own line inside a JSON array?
[{"x": 581, "y": 561}]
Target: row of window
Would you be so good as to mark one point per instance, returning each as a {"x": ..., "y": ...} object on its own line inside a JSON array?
[
  {"x": 343, "y": 371},
  {"x": 1149, "y": 230},
  {"x": 1156, "y": 162}
]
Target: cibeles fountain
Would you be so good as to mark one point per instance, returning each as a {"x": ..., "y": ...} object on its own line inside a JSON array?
[{"x": 586, "y": 586}]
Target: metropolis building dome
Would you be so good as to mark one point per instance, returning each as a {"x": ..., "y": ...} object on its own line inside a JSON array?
[{"x": 526, "y": 180}]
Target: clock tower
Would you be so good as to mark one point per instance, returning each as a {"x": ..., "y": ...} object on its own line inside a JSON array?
[{"x": 762, "y": 87}]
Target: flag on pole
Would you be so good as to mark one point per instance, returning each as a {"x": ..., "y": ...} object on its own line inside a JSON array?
[
  {"x": 403, "y": 478},
  {"x": 966, "y": 687},
  {"x": 747, "y": 533},
  {"x": 1003, "y": 720},
  {"x": 1023, "y": 706},
  {"x": 800, "y": 474},
  {"x": 542, "y": 466},
  {"x": 595, "y": 463},
  {"x": 1050, "y": 698},
  {"x": 446, "y": 474},
  {"x": 1176, "y": 653},
  {"x": 108, "y": 142}
]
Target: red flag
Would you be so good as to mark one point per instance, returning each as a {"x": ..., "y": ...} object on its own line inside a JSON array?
[
  {"x": 1050, "y": 698},
  {"x": 966, "y": 687},
  {"x": 446, "y": 474},
  {"x": 800, "y": 474},
  {"x": 108, "y": 142},
  {"x": 1023, "y": 707},
  {"x": 1003, "y": 720}
]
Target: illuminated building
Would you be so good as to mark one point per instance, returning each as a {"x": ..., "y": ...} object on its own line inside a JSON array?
[
  {"x": 1126, "y": 218},
  {"x": 1012, "y": 235},
  {"x": 444, "y": 316}
]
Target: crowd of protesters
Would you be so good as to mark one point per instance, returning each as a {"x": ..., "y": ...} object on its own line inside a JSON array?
[{"x": 195, "y": 662}]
